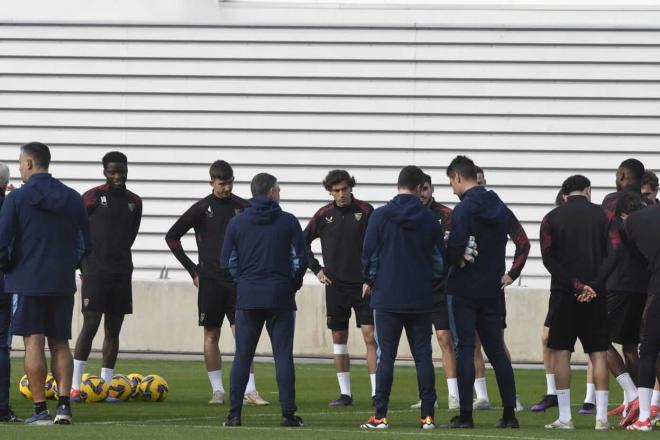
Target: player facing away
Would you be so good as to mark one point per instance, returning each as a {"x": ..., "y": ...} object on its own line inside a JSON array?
[
  {"x": 517, "y": 234},
  {"x": 440, "y": 316},
  {"x": 474, "y": 290},
  {"x": 216, "y": 297},
  {"x": 401, "y": 257},
  {"x": 574, "y": 244},
  {"x": 264, "y": 252},
  {"x": 341, "y": 226},
  {"x": 114, "y": 216}
]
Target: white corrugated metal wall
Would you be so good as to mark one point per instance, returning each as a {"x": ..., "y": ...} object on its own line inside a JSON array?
[{"x": 531, "y": 103}]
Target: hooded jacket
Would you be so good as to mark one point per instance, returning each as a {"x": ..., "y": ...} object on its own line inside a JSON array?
[
  {"x": 44, "y": 234},
  {"x": 264, "y": 252},
  {"x": 483, "y": 215},
  {"x": 402, "y": 255}
]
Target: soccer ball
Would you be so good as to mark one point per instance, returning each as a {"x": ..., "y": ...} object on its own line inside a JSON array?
[
  {"x": 120, "y": 387},
  {"x": 135, "y": 379},
  {"x": 85, "y": 376},
  {"x": 50, "y": 387},
  {"x": 93, "y": 389},
  {"x": 24, "y": 387},
  {"x": 153, "y": 388}
]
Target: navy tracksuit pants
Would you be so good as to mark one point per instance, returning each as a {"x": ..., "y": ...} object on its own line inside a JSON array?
[
  {"x": 5, "y": 348},
  {"x": 485, "y": 316},
  {"x": 388, "y": 327},
  {"x": 280, "y": 325}
]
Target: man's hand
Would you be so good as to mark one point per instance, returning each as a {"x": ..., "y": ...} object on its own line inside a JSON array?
[
  {"x": 366, "y": 290},
  {"x": 323, "y": 277},
  {"x": 196, "y": 280},
  {"x": 588, "y": 294},
  {"x": 506, "y": 280}
]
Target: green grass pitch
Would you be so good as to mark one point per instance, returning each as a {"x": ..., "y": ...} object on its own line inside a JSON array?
[{"x": 186, "y": 414}]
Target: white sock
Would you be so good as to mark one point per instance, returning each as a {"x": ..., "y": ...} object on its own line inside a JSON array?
[
  {"x": 251, "y": 385},
  {"x": 601, "y": 405},
  {"x": 106, "y": 374},
  {"x": 344, "y": 380},
  {"x": 628, "y": 386},
  {"x": 480, "y": 388},
  {"x": 645, "y": 397},
  {"x": 564, "y": 401},
  {"x": 590, "y": 396},
  {"x": 550, "y": 383},
  {"x": 656, "y": 398},
  {"x": 216, "y": 380},
  {"x": 452, "y": 386},
  {"x": 372, "y": 378},
  {"x": 78, "y": 370}
]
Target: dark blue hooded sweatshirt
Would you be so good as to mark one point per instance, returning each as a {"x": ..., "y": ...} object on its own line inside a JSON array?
[
  {"x": 264, "y": 252},
  {"x": 44, "y": 234},
  {"x": 402, "y": 255},
  {"x": 483, "y": 215}
]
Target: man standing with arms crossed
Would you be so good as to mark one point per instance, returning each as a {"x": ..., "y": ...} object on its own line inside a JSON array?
[
  {"x": 341, "y": 226},
  {"x": 44, "y": 234}
]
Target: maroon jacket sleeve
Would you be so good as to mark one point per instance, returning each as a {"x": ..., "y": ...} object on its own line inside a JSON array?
[
  {"x": 311, "y": 233},
  {"x": 173, "y": 237},
  {"x": 519, "y": 237}
]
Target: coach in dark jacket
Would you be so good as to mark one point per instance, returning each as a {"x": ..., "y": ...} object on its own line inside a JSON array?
[
  {"x": 402, "y": 255},
  {"x": 474, "y": 288},
  {"x": 44, "y": 233},
  {"x": 264, "y": 251}
]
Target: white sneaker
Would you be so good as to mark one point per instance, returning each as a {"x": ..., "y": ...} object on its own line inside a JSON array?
[
  {"x": 480, "y": 405},
  {"x": 560, "y": 424},
  {"x": 418, "y": 405},
  {"x": 253, "y": 398},
  {"x": 602, "y": 425},
  {"x": 453, "y": 402},
  {"x": 218, "y": 398},
  {"x": 519, "y": 406}
]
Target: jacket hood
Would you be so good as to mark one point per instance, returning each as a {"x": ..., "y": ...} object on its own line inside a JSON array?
[
  {"x": 263, "y": 210},
  {"x": 485, "y": 204},
  {"x": 46, "y": 193},
  {"x": 406, "y": 210}
]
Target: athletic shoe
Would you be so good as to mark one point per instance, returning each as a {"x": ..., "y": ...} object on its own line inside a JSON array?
[
  {"x": 418, "y": 405},
  {"x": 218, "y": 398},
  {"x": 548, "y": 401},
  {"x": 111, "y": 399},
  {"x": 616, "y": 411},
  {"x": 633, "y": 414},
  {"x": 481, "y": 405},
  {"x": 457, "y": 423},
  {"x": 519, "y": 406},
  {"x": 452, "y": 403},
  {"x": 343, "y": 400},
  {"x": 253, "y": 398},
  {"x": 292, "y": 421},
  {"x": 508, "y": 423},
  {"x": 640, "y": 425},
  {"x": 655, "y": 410},
  {"x": 374, "y": 423},
  {"x": 63, "y": 415},
  {"x": 10, "y": 417},
  {"x": 587, "y": 408},
  {"x": 426, "y": 423},
  {"x": 231, "y": 421},
  {"x": 560, "y": 424},
  {"x": 74, "y": 396},
  {"x": 43, "y": 418},
  {"x": 602, "y": 425}
]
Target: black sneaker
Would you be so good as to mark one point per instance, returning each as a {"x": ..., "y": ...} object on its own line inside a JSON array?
[
  {"x": 10, "y": 417},
  {"x": 292, "y": 421},
  {"x": 343, "y": 400},
  {"x": 548, "y": 401},
  {"x": 508, "y": 423},
  {"x": 587, "y": 408},
  {"x": 458, "y": 423},
  {"x": 63, "y": 415},
  {"x": 42, "y": 418},
  {"x": 232, "y": 421}
]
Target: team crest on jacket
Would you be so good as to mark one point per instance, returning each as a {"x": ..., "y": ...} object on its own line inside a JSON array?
[
  {"x": 131, "y": 206},
  {"x": 329, "y": 219},
  {"x": 86, "y": 301},
  {"x": 209, "y": 212},
  {"x": 104, "y": 201},
  {"x": 358, "y": 216}
]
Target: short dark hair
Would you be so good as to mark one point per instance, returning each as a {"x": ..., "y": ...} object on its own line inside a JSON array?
[
  {"x": 221, "y": 170},
  {"x": 635, "y": 168},
  {"x": 650, "y": 179},
  {"x": 629, "y": 201},
  {"x": 479, "y": 170},
  {"x": 40, "y": 154},
  {"x": 114, "y": 157},
  {"x": 411, "y": 177},
  {"x": 575, "y": 183},
  {"x": 261, "y": 184},
  {"x": 427, "y": 179},
  {"x": 464, "y": 167},
  {"x": 335, "y": 177}
]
